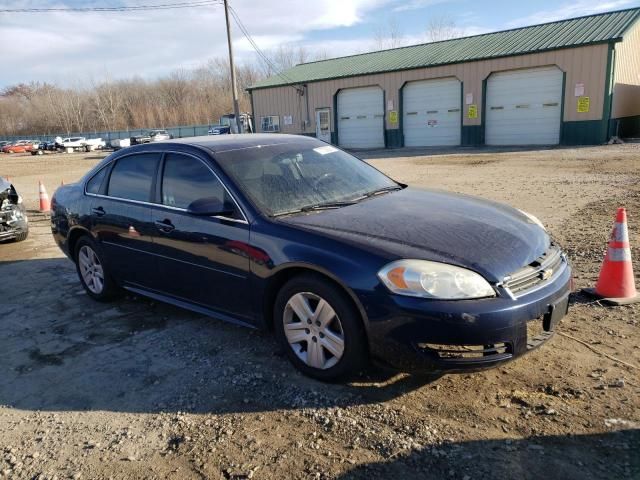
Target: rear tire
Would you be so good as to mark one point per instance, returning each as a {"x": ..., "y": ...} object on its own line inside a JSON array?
[
  {"x": 329, "y": 343},
  {"x": 92, "y": 271}
]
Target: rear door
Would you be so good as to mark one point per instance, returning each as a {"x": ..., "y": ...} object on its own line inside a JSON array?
[
  {"x": 201, "y": 259},
  {"x": 121, "y": 217}
]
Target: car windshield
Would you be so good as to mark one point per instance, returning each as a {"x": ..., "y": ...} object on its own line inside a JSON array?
[{"x": 298, "y": 176}]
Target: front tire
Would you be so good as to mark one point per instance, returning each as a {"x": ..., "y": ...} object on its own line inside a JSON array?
[
  {"x": 319, "y": 328},
  {"x": 22, "y": 236},
  {"x": 93, "y": 273}
]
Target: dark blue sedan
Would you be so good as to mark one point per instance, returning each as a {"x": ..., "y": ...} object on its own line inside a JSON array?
[{"x": 292, "y": 234}]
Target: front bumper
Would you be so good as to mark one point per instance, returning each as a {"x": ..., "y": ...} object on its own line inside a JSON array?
[
  {"x": 10, "y": 226},
  {"x": 434, "y": 336}
]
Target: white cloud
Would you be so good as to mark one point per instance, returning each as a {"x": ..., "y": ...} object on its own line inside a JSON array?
[
  {"x": 576, "y": 8},
  {"x": 417, "y": 4},
  {"x": 65, "y": 46}
]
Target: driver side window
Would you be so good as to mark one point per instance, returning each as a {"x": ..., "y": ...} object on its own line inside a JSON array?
[{"x": 186, "y": 179}]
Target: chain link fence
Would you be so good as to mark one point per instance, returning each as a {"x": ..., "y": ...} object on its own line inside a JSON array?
[{"x": 176, "y": 132}]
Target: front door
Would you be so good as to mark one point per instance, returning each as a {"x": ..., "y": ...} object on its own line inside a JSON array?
[
  {"x": 201, "y": 259},
  {"x": 323, "y": 125}
]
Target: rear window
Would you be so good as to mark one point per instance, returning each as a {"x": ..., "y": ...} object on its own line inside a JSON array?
[{"x": 132, "y": 177}]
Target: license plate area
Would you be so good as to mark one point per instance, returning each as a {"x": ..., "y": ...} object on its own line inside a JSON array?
[
  {"x": 542, "y": 328},
  {"x": 555, "y": 314}
]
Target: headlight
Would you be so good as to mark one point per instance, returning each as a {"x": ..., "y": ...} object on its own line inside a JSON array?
[
  {"x": 533, "y": 219},
  {"x": 421, "y": 278}
]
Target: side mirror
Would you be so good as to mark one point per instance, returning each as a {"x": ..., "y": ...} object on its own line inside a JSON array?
[{"x": 209, "y": 206}]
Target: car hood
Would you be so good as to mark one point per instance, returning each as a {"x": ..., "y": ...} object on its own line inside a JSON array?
[{"x": 485, "y": 236}]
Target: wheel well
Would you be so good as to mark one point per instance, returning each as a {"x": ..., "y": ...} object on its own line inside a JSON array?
[
  {"x": 279, "y": 279},
  {"x": 74, "y": 236}
]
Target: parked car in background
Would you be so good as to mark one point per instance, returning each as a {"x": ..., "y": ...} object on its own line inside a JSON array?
[
  {"x": 151, "y": 136},
  {"x": 14, "y": 224},
  {"x": 39, "y": 148},
  {"x": 292, "y": 234},
  {"x": 4, "y": 143},
  {"x": 70, "y": 144},
  {"x": 20, "y": 146},
  {"x": 94, "y": 144},
  {"x": 227, "y": 124},
  {"x": 118, "y": 143},
  {"x": 79, "y": 144}
]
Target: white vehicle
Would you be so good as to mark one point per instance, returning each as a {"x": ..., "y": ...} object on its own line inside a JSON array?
[
  {"x": 119, "y": 143},
  {"x": 79, "y": 144},
  {"x": 94, "y": 144}
]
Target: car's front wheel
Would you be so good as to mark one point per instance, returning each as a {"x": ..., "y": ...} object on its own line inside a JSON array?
[
  {"x": 319, "y": 328},
  {"x": 94, "y": 276}
]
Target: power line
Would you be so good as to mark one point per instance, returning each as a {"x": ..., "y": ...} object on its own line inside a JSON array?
[
  {"x": 260, "y": 53},
  {"x": 122, "y": 8}
]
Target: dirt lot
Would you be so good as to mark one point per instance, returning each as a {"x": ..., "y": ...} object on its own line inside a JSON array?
[{"x": 136, "y": 389}]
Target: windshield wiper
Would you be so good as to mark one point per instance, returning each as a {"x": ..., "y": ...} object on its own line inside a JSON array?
[
  {"x": 327, "y": 205},
  {"x": 316, "y": 207},
  {"x": 382, "y": 190}
]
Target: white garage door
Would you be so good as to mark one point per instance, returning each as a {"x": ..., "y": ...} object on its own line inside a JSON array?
[
  {"x": 524, "y": 107},
  {"x": 431, "y": 112},
  {"x": 361, "y": 118}
]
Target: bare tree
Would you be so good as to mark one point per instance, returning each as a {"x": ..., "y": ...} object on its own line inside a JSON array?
[
  {"x": 182, "y": 97},
  {"x": 442, "y": 28},
  {"x": 388, "y": 35}
]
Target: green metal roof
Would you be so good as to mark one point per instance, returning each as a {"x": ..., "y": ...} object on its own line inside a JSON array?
[{"x": 592, "y": 29}]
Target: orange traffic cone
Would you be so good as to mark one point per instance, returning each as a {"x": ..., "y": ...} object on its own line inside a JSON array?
[
  {"x": 45, "y": 204},
  {"x": 616, "y": 284}
]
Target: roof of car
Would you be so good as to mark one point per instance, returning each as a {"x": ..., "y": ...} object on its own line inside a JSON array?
[{"x": 221, "y": 143}]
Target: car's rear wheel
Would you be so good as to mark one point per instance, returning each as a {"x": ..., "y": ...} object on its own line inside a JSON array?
[
  {"x": 93, "y": 273},
  {"x": 319, "y": 328}
]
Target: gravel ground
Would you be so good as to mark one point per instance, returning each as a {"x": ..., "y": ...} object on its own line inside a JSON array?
[{"x": 138, "y": 389}]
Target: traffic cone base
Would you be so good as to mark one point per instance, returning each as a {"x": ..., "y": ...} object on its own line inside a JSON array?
[
  {"x": 612, "y": 301},
  {"x": 616, "y": 282}
]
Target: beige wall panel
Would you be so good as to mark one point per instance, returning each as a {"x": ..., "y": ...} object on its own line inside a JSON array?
[
  {"x": 582, "y": 65},
  {"x": 626, "y": 88}
]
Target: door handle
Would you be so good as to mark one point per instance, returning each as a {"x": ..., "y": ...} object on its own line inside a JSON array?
[
  {"x": 99, "y": 211},
  {"x": 165, "y": 225}
]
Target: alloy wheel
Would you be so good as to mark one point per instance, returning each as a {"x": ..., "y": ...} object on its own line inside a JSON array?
[
  {"x": 91, "y": 269},
  {"x": 313, "y": 330}
]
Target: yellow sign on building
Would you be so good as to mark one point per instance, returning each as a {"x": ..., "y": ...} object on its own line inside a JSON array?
[
  {"x": 393, "y": 116},
  {"x": 472, "y": 112},
  {"x": 583, "y": 104}
]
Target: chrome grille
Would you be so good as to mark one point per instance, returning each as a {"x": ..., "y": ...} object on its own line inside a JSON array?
[{"x": 538, "y": 272}]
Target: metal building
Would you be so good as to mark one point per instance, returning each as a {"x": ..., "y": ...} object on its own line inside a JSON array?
[{"x": 573, "y": 82}]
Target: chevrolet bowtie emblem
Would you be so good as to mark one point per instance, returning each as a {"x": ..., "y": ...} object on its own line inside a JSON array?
[{"x": 546, "y": 274}]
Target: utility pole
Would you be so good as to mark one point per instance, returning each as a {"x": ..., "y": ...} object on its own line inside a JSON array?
[{"x": 234, "y": 87}]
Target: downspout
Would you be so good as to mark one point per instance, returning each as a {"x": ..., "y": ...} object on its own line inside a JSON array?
[{"x": 306, "y": 96}]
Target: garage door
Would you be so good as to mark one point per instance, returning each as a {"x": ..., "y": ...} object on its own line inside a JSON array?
[
  {"x": 524, "y": 107},
  {"x": 431, "y": 112},
  {"x": 361, "y": 118}
]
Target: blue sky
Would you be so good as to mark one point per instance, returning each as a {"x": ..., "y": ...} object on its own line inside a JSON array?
[{"x": 69, "y": 48}]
